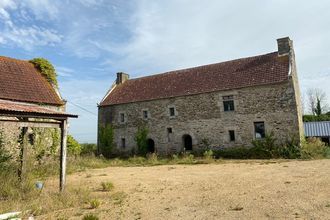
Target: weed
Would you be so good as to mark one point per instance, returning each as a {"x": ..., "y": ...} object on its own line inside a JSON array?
[
  {"x": 94, "y": 203},
  {"x": 107, "y": 186},
  {"x": 90, "y": 217},
  {"x": 119, "y": 197},
  {"x": 208, "y": 155}
]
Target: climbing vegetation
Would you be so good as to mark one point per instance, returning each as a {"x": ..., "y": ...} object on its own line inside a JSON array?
[{"x": 46, "y": 69}]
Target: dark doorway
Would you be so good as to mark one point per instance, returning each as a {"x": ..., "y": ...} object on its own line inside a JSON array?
[
  {"x": 187, "y": 142},
  {"x": 150, "y": 146}
]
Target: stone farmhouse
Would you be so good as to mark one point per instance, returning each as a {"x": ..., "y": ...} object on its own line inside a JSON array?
[{"x": 224, "y": 104}]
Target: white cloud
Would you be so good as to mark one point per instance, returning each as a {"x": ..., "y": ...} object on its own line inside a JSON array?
[{"x": 26, "y": 36}]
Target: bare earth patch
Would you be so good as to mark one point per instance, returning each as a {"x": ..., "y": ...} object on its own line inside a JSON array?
[{"x": 229, "y": 190}]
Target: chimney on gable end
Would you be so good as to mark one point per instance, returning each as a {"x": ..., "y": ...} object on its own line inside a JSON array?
[
  {"x": 285, "y": 46},
  {"x": 121, "y": 78}
]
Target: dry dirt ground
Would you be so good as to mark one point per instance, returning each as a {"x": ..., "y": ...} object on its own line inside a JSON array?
[{"x": 229, "y": 190}]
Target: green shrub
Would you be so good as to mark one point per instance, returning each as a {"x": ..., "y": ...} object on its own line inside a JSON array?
[
  {"x": 323, "y": 117},
  {"x": 314, "y": 148},
  {"x": 88, "y": 149},
  {"x": 107, "y": 186},
  {"x": 152, "y": 158},
  {"x": 106, "y": 143},
  {"x": 73, "y": 146},
  {"x": 94, "y": 203},
  {"x": 187, "y": 159},
  {"x": 90, "y": 217},
  {"x": 46, "y": 69},
  {"x": 208, "y": 155},
  {"x": 266, "y": 146},
  {"x": 141, "y": 140},
  {"x": 291, "y": 150}
]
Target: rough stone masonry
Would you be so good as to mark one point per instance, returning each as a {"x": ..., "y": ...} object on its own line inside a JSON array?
[{"x": 219, "y": 105}]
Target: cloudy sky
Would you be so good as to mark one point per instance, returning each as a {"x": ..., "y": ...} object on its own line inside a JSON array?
[{"x": 88, "y": 41}]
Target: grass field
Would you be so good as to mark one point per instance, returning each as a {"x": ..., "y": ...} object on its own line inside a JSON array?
[{"x": 229, "y": 189}]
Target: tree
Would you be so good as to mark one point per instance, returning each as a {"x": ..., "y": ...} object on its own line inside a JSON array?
[
  {"x": 73, "y": 146},
  {"x": 106, "y": 143},
  {"x": 317, "y": 101},
  {"x": 141, "y": 140}
]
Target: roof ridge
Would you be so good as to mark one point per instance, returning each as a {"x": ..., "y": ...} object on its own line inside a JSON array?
[{"x": 201, "y": 66}]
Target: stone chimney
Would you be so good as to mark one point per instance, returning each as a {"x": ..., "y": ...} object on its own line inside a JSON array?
[
  {"x": 285, "y": 46},
  {"x": 121, "y": 78}
]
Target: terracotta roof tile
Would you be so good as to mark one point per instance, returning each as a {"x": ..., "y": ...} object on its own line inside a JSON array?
[
  {"x": 245, "y": 72},
  {"x": 20, "y": 81}
]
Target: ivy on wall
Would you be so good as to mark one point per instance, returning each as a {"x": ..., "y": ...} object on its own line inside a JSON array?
[{"x": 46, "y": 69}]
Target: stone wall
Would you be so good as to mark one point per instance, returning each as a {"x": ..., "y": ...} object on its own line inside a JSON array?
[
  {"x": 42, "y": 142},
  {"x": 204, "y": 119}
]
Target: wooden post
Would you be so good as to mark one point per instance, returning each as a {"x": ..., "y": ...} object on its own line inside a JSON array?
[
  {"x": 63, "y": 154},
  {"x": 23, "y": 155}
]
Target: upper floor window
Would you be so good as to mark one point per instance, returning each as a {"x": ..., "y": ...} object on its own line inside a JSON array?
[
  {"x": 172, "y": 111},
  {"x": 122, "y": 117},
  {"x": 259, "y": 130},
  {"x": 145, "y": 114},
  {"x": 228, "y": 103}
]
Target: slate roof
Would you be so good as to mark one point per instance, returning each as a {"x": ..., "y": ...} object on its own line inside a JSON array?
[
  {"x": 20, "y": 81},
  {"x": 245, "y": 72},
  {"x": 317, "y": 129},
  {"x": 9, "y": 107}
]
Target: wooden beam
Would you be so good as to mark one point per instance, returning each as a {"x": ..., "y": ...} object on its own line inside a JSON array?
[
  {"x": 34, "y": 124},
  {"x": 31, "y": 115},
  {"x": 63, "y": 154}
]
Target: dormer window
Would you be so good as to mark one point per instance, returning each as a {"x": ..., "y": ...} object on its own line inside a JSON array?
[{"x": 228, "y": 103}]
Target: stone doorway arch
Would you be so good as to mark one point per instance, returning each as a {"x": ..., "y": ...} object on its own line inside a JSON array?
[
  {"x": 150, "y": 146},
  {"x": 187, "y": 142}
]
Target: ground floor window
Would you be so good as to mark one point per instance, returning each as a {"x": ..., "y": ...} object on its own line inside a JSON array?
[
  {"x": 123, "y": 143},
  {"x": 232, "y": 135},
  {"x": 259, "y": 130}
]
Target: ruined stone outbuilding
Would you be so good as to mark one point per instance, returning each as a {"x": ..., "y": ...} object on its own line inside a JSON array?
[
  {"x": 218, "y": 105},
  {"x": 33, "y": 121}
]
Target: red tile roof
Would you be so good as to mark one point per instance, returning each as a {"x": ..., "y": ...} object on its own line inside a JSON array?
[
  {"x": 20, "y": 81},
  {"x": 245, "y": 72},
  {"x": 10, "y": 107}
]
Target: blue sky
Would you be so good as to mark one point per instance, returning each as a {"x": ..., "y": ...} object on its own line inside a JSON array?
[{"x": 88, "y": 41}]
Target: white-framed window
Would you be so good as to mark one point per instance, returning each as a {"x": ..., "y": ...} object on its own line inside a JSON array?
[
  {"x": 259, "y": 130},
  {"x": 228, "y": 103}
]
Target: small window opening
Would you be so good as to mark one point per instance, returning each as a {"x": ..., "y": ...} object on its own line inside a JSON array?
[
  {"x": 232, "y": 135},
  {"x": 145, "y": 114},
  {"x": 259, "y": 130},
  {"x": 122, "y": 117},
  {"x": 172, "y": 111},
  {"x": 123, "y": 143},
  {"x": 169, "y": 130}
]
